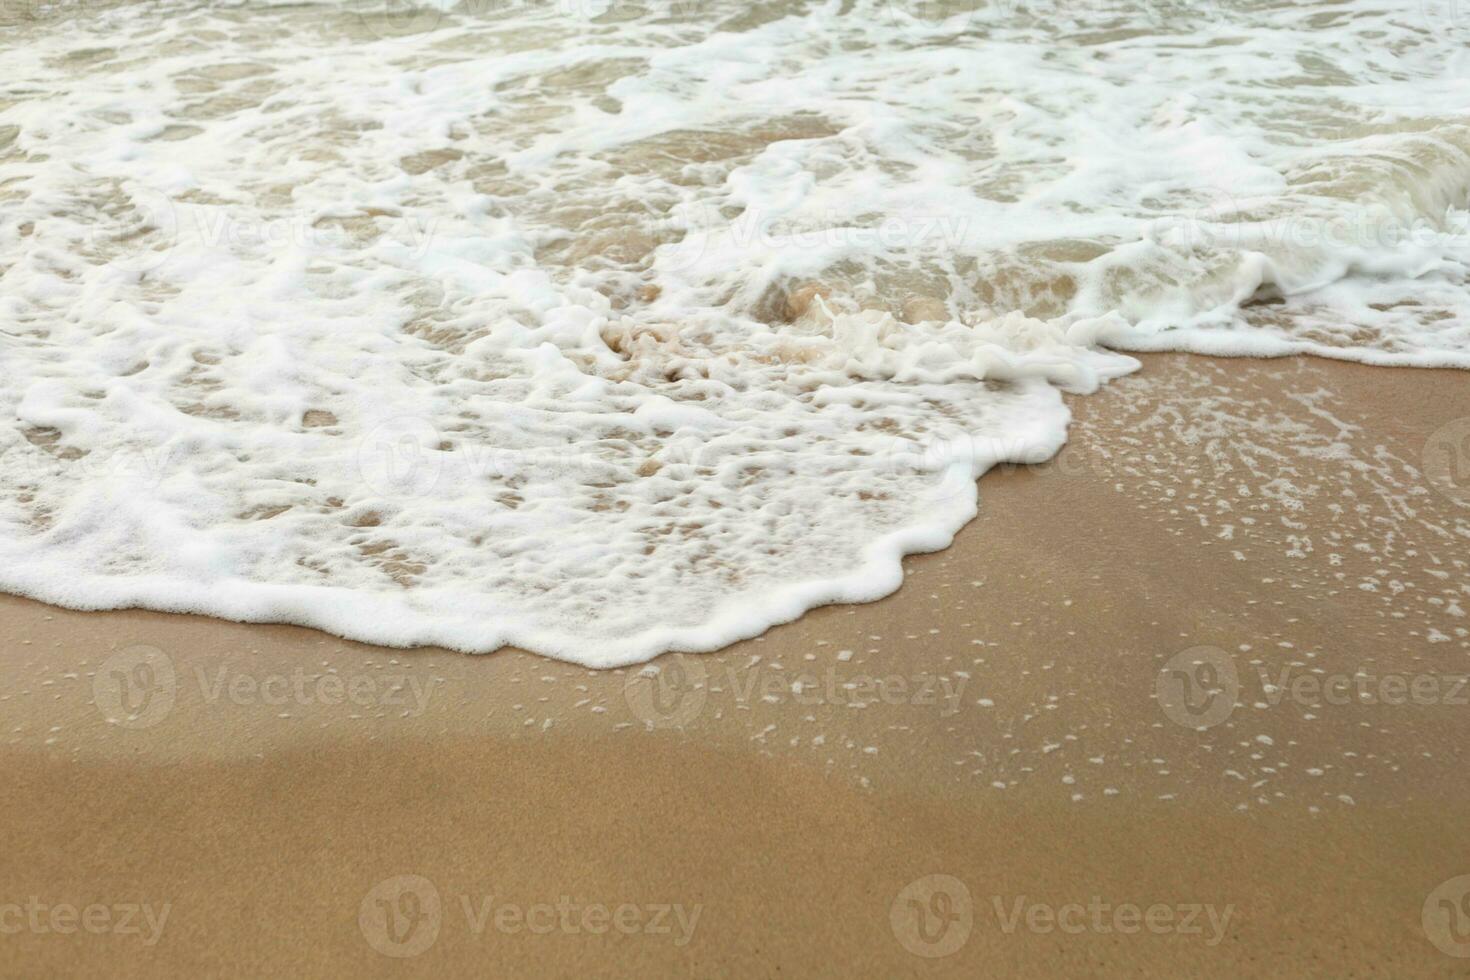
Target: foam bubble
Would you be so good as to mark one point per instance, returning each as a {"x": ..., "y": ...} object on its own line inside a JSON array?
[{"x": 609, "y": 328}]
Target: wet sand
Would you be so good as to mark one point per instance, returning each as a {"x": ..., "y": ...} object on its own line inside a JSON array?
[{"x": 1063, "y": 716}]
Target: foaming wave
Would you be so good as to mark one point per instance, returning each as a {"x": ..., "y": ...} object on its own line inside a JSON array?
[{"x": 605, "y": 328}]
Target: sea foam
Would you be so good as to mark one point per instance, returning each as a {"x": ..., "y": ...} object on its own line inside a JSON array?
[{"x": 603, "y": 328}]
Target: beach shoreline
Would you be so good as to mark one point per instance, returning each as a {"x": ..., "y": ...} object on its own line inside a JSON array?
[{"x": 1008, "y": 720}]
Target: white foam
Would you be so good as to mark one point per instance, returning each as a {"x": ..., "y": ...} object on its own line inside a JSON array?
[{"x": 603, "y": 330}]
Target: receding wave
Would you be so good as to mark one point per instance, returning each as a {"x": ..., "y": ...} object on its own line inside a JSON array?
[{"x": 605, "y": 328}]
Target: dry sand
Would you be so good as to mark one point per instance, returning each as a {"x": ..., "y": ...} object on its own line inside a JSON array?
[{"x": 1018, "y": 719}]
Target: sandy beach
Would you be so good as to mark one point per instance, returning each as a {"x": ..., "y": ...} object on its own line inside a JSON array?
[
  {"x": 386, "y": 383},
  {"x": 1224, "y": 737}
]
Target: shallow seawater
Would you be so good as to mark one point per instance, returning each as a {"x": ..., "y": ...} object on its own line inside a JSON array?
[{"x": 604, "y": 328}]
